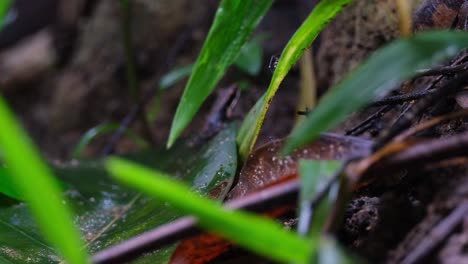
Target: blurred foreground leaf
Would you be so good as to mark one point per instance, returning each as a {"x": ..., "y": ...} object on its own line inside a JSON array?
[
  {"x": 313, "y": 175},
  {"x": 331, "y": 252},
  {"x": 33, "y": 180},
  {"x": 108, "y": 213},
  {"x": 7, "y": 187},
  {"x": 4, "y": 8},
  {"x": 263, "y": 236}
]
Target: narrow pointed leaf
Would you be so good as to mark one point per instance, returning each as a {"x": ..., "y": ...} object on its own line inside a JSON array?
[
  {"x": 234, "y": 22},
  {"x": 301, "y": 40},
  {"x": 260, "y": 235},
  {"x": 34, "y": 181},
  {"x": 381, "y": 72}
]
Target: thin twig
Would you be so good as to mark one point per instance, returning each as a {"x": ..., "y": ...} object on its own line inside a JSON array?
[
  {"x": 437, "y": 235},
  {"x": 398, "y": 99},
  {"x": 442, "y": 70},
  {"x": 187, "y": 226},
  {"x": 139, "y": 107},
  {"x": 131, "y": 72},
  {"x": 425, "y": 152},
  {"x": 126, "y": 122},
  {"x": 430, "y": 123},
  {"x": 419, "y": 107},
  {"x": 366, "y": 124}
]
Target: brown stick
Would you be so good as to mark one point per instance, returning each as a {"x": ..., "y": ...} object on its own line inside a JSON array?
[
  {"x": 437, "y": 235},
  {"x": 417, "y": 155},
  {"x": 184, "y": 227}
]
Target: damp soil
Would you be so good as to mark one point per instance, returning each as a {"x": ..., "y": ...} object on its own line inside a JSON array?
[{"x": 385, "y": 222}]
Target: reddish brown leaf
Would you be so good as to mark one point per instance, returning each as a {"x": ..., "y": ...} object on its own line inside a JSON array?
[
  {"x": 265, "y": 165},
  {"x": 264, "y": 168}
]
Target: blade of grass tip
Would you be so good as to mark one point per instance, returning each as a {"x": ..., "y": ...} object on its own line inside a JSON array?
[
  {"x": 299, "y": 42},
  {"x": 235, "y": 20},
  {"x": 174, "y": 76},
  {"x": 263, "y": 236},
  {"x": 33, "y": 179}
]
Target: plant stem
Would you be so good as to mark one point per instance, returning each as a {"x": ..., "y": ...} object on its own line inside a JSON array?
[{"x": 132, "y": 78}]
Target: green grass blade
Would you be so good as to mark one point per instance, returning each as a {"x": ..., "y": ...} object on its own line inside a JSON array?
[
  {"x": 301, "y": 40},
  {"x": 33, "y": 179},
  {"x": 7, "y": 187},
  {"x": 332, "y": 252},
  {"x": 4, "y": 7},
  {"x": 313, "y": 173},
  {"x": 174, "y": 76},
  {"x": 381, "y": 72},
  {"x": 260, "y": 235},
  {"x": 234, "y": 22}
]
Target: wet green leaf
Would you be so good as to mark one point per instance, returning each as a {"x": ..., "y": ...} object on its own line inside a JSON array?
[
  {"x": 108, "y": 213},
  {"x": 301, "y": 40},
  {"x": 32, "y": 178},
  {"x": 263, "y": 236},
  {"x": 381, "y": 72},
  {"x": 234, "y": 22}
]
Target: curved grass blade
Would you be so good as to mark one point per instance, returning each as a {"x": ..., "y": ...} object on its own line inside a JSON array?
[
  {"x": 234, "y": 22},
  {"x": 34, "y": 181},
  {"x": 260, "y": 235},
  {"x": 301, "y": 40},
  {"x": 174, "y": 76},
  {"x": 384, "y": 69}
]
